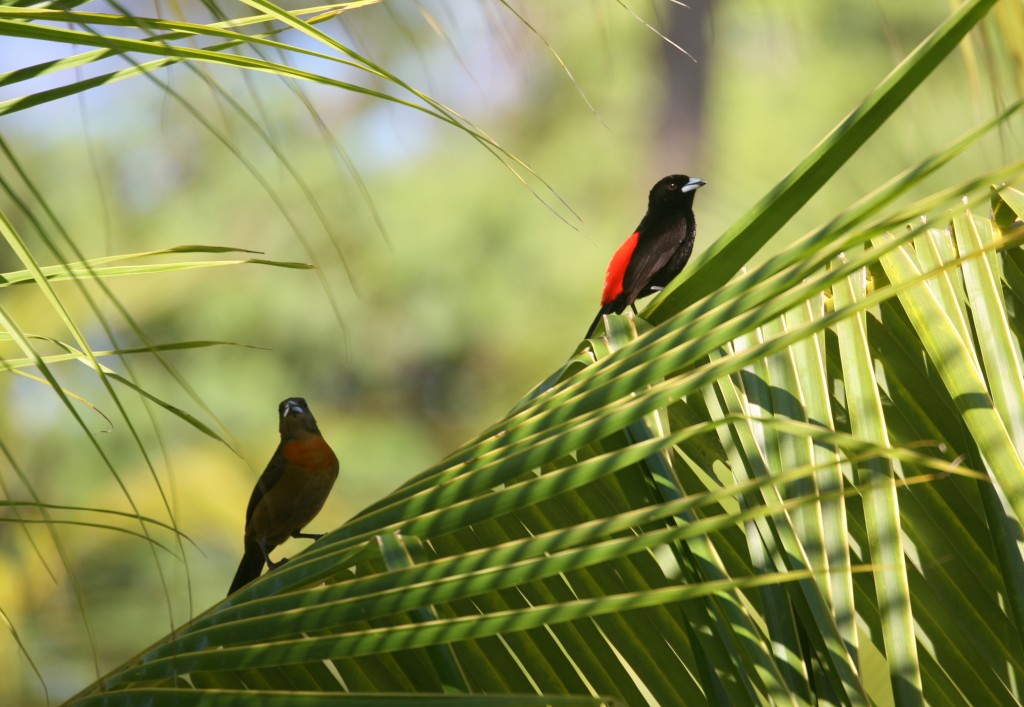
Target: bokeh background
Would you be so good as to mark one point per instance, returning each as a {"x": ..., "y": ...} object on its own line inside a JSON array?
[{"x": 445, "y": 287}]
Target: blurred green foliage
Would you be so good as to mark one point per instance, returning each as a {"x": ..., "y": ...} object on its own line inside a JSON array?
[{"x": 471, "y": 293}]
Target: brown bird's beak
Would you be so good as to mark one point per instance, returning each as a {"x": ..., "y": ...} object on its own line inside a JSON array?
[
  {"x": 292, "y": 407},
  {"x": 694, "y": 184}
]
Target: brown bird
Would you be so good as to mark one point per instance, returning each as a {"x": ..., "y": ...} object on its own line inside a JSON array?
[{"x": 290, "y": 492}]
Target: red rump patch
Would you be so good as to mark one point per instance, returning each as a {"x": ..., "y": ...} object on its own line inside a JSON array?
[{"x": 617, "y": 269}]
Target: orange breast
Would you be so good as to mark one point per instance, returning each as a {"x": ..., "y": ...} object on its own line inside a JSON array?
[{"x": 313, "y": 454}]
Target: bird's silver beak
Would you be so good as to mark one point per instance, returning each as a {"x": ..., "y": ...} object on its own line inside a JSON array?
[
  {"x": 694, "y": 184},
  {"x": 292, "y": 406}
]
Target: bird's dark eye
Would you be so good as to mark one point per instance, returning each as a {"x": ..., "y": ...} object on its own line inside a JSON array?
[{"x": 672, "y": 186}]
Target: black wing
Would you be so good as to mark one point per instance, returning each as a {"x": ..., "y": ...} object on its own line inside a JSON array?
[
  {"x": 648, "y": 259},
  {"x": 660, "y": 241}
]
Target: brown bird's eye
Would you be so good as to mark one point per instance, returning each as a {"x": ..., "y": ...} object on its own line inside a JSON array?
[{"x": 673, "y": 186}]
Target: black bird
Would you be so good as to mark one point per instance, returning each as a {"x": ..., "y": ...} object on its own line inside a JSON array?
[{"x": 657, "y": 250}]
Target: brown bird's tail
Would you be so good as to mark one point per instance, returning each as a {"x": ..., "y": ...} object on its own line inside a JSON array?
[{"x": 248, "y": 569}]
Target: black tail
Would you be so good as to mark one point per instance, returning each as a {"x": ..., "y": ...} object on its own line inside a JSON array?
[
  {"x": 249, "y": 568},
  {"x": 590, "y": 331}
]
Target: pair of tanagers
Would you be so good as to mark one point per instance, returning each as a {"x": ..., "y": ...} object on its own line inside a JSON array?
[{"x": 296, "y": 482}]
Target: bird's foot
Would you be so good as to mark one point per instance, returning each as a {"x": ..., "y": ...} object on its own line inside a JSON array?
[
  {"x": 274, "y": 565},
  {"x": 308, "y": 536}
]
